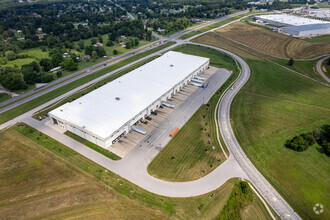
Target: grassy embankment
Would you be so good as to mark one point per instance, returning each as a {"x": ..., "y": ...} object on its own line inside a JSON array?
[
  {"x": 189, "y": 155},
  {"x": 4, "y": 97},
  {"x": 8, "y": 115},
  {"x": 215, "y": 25},
  {"x": 273, "y": 106},
  {"x": 44, "y": 178},
  {"x": 93, "y": 146}
]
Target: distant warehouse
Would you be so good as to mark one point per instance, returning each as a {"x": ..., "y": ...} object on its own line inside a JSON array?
[
  {"x": 307, "y": 30},
  {"x": 296, "y": 26},
  {"x": 109, "y": 112}
]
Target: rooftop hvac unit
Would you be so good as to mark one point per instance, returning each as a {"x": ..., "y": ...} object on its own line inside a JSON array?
[{"x": 117, "y": 98}]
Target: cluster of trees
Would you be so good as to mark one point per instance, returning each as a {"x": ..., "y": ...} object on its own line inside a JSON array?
[
  {"x": 278, "y": 5},
  {"x": 15, "y": 79},
  {"x": 240, "y": 197},
  {"x": 170, "y": 24},
  {"x": 322, "y": 137},
  {"x": 179, "y": 9},
  {"x": 302, "y": 142},
  {"x": 93, "y": 18}
]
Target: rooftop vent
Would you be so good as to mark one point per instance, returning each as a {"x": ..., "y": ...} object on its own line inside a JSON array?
[{"x": 117, "y": 98}]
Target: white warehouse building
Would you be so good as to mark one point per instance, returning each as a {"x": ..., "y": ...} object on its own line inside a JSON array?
[
  {"x": 282, "y": 20},
  {"x": 296, "y": 26},
  {"x": 109, "y": 112}
]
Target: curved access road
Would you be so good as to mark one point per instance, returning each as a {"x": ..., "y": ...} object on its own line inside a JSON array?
[
  {"x": 319, "y": 68},
  {"x": 273, "y": 198}
]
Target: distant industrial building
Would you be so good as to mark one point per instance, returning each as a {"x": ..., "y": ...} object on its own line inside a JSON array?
[
  {"x": 283, "y": 20},
  {"x": 307, "y": 30},
  {"x": 295, "y": 25},
  {"x": 109, "y": 112}
]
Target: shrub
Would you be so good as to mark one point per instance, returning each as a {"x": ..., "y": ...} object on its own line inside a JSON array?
[{"x": 298, "y": 143}]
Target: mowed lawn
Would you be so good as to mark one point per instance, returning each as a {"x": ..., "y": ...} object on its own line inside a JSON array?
[
  {"x": 194, "y": 151},
  {"x": 276, "y": 105},
  {"x": 35, "y": 183},
  {"x": 41, "y": 178},
  {"x": 274, "y": 43},
  {"x": 35, "y": 54}
]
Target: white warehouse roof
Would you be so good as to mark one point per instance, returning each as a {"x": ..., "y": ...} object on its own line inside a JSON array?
[
  {"x": 290, "y": 19},
  {"x": 101, "y": 114}
]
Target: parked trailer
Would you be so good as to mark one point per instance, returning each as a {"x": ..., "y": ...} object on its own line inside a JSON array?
[
  {"x": 174, "y": 132},
  {"x": 167, "y": 104},
  {"x": 197, "y": 80},
  {"x": 199, "y": 77},
  {"x": 139, "y": 130},
  {"x": 196, "y": 84}
]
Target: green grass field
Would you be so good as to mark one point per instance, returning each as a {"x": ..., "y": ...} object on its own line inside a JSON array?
[
  {"x": 4, "y": 97},
  {"x": 189, "y": 155},
  {"x": 45, "y": 179},
  {"x": 273, "y": 106},
  {"x": 8, "y": 115},
  {"x": 93, "y": 146}
]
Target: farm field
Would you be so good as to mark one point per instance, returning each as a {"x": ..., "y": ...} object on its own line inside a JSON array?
[
  {"x": 38, "y": 184},
  {"x": 304, "y": 67},
  {"x": 189, "y": 155},
  {"x": 68, "y": 185},
  {"x": 6, "y": 116},
  {"x": 273, "y": 106},
  {"x": 215, "y": 25},
  {"x": 273, "y": 43}
]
